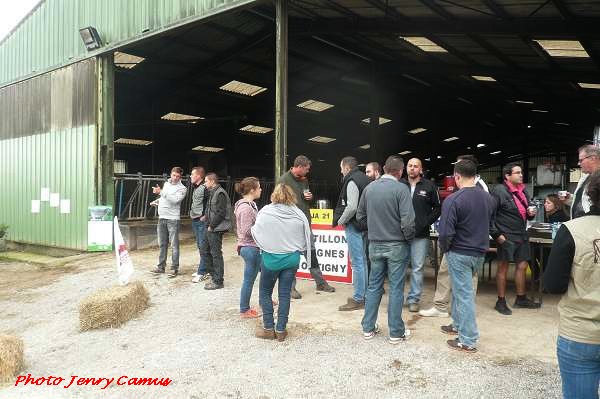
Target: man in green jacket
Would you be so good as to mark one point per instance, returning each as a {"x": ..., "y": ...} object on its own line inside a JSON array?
[{"x": 297, "y": 180}]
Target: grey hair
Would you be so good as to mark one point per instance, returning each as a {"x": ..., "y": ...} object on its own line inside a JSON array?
[{"x": 590, "y": 149}]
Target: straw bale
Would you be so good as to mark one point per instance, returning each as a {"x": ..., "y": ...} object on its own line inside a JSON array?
[
  {"x": 11, "y": 357},
  {"x": 113, "y": 306}
]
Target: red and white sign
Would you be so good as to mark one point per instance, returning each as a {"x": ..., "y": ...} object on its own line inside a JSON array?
[{"x": 332, "y": 252}]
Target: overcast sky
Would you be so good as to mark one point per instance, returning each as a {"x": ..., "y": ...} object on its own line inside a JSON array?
[{"x": 11, "y": 13}]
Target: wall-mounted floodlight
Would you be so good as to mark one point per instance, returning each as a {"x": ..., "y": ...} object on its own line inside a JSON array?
[{"x": 90, "y": 38}]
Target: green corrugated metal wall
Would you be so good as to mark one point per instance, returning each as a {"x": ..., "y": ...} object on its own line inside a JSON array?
[
  {"x": 49, "y": 37},
  {"x": 48, "y": 138}
]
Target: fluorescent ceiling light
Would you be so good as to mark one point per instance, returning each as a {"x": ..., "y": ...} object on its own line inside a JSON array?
[
  {"x": 361, "y": 164},
  {"x": 428, "y": 159},
  {"x": 205, "y": 148},
  {"x": 589, "y": 85},
  {"x": 495, "y": 152},
  {"x": 405, "y": 152},
  {"x": 127, "y": 61},
  {"x": 523, "y": 102},
  {"x": 464, "y": 100},
  {"x": 174, "y": 116},
  {"x": 242, "y": 88},
  {"x": 424, "y": 44},
  {"x": 483, "y": 78},
  {"x": 382, "y": 120},
  {"x": 321, "y": 139},
  {"x": 515, "y": 156},
  {"x": 449, "y": 139},
  {"x": 439, "y": 157},
  {"x": 132, "y": 141},
  {"x": 539, "y": 110},
  {"x": 563, "y": 48},
  {"x": 481, "y": 145},
  {"x": 417, "y": 130},
  {"x": 365, "y": 147},
  {"x": 256, "y": 129},
  {"x": 562, "y": 123},
  {"x": 314, "y": 105}
]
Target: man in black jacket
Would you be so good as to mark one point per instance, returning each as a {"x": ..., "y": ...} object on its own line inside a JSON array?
[
  {"x": 509, "y": 229},
  {"x": 426, "y": 203},
  {"x": 353, "y": 183}
]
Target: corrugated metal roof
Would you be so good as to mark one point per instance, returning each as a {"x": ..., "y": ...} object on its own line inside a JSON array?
[{"x": 49, "y": 35}]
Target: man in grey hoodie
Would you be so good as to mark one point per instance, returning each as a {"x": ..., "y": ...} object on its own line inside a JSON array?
[
  {"x": 386, "y": 206},
  {"x": 169, "y": 210}
]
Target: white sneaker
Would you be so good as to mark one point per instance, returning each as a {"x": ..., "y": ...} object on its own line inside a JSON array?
[
  {"x": 433, "y": 312},
  {"x": 196, "y": 279},
  {"x": 194, "y": 274},
  {"x": 371, "y": 334},
  {"x": 403, "y": 338}
]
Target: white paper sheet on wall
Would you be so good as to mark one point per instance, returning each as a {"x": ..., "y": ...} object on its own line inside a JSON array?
[
  {"x": 54, "y": 200},
  {"x": 45, "y": 194},
  {"x": 35, "y": 206},
  {"x": 65, "y": 206}
]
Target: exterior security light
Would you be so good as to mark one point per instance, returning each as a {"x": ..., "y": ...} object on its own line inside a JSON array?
[{"x": 90, "y": 38}]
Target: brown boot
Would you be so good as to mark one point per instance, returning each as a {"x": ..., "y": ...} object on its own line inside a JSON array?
[
  {"x": 264, "y": 334},
  {"x": 281, "y": 336},
  {"x": 325, "y": 287},
  {"x": 351, "y": 305}
]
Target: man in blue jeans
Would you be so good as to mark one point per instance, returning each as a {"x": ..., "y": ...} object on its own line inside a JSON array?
[
  {"x": 353, "y": 183},
  {"x": 426, "y": 203},
  {"x": 387, "y": 209},
  {"x": 464, "y": 238},
  {"x": 199, "y": 199}
]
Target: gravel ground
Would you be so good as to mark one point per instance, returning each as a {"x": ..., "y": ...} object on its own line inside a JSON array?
[{"x": 195, "y": 338}]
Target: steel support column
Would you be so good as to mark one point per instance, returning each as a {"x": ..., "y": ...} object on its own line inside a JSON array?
[
  {"x": 281, "y": 86},
  {"x": 105, "y": 134}
]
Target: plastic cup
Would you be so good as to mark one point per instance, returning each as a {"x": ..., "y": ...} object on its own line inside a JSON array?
[{"x": 562, "y": 194}]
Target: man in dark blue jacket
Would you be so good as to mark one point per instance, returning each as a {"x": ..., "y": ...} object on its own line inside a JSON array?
[{"x": 464, "y": 238}]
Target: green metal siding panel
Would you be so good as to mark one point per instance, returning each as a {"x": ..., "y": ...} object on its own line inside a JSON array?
[
  {"x": 49, "y": 36},
  {"x": 61, "y": 161},
  {"x": 48, "y": 139}
]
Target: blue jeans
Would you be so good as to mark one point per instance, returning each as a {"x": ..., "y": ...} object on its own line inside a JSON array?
[
  {"x": 579, "y": 368},
  {"x": 252, "y": 262},
  {"x": 267, "y": 282},
  {"x": 461, "y": 269},
  {"x": 418, "y": 252},
  {"x": 356, "y": 249},
  {"x": 199, "y": 228},
  {"x": 389, "y": 258},
  {"x": 167, "y": 231}
]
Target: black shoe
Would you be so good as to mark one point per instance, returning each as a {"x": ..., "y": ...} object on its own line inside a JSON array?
[
  {"x": 295, "y": 294},
  {"x": 526, "y": 303},
  {"x": 213, "y": 286},
  {"x": 158, "y": 270},
  {"x": 449, "y": 329},
  {"x": 172, "y": 274},
  {"x": 502, "y": 307}
]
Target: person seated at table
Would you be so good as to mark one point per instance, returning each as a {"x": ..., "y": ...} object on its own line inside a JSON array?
[
  {"x": 574, "y": 270},
  {"x": 554, "y": 210}
]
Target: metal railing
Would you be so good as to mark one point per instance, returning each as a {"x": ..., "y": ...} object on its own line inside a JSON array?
[{"x": 133, "y": 194}]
